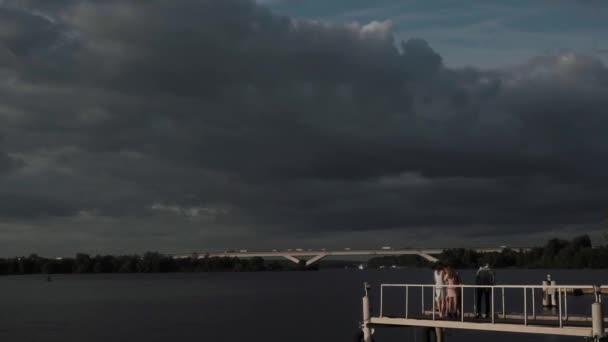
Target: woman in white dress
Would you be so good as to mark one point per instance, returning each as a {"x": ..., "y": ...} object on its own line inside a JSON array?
[{"x": 439, "y": 275}]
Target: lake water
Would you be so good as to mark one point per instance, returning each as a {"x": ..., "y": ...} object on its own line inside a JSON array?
[{"x": 322, "y": 306}]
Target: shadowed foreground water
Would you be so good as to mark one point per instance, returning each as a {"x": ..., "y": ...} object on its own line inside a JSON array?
[{"x": 233, "y": 307}]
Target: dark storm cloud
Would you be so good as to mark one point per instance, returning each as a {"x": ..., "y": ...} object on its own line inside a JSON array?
[
  {"x": 5, "y": 162},
  {"x": 16, "y": 206},
  {"x": 223, "y": 112}
]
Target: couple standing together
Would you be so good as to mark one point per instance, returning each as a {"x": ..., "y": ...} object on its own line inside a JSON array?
[{"x": 447, "y": 295}]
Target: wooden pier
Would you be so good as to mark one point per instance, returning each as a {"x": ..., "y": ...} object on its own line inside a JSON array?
[{"x": 559, "y": 323}]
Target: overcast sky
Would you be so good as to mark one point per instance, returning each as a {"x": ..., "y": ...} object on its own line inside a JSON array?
[{"x": 203, "y": 125}]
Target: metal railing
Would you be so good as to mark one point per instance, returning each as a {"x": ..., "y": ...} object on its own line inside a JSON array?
[{"x": 560, "y": 291}]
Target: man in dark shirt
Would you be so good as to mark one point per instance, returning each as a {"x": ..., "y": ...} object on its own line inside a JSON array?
[{"x": 485, "y": 276}]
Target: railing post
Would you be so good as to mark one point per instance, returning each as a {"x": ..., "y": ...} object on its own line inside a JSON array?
[
  {"x": 525, "y": 307},
  {"x": 381, "y": 298},
  {"x": 533, "y": 305},
  {"x": 546, "y": 302},
  {"x": 461, "y": 303},
  {"x": 492, "y": 312},
  {"x": 422, "y": 293},
  {"x": 367, "y": 333},
  {"x": 407, "y": 297},
  {"x": 433, "y": 296},
  {"x": 504, "y": 315},
  {"x": 565, "y": 305},
  {"x": 597, "y": 315},
  {"x": 559, "y": 303}
]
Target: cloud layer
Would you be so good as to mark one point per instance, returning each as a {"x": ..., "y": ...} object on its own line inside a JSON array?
[
  {"x": 188, "y": 123},
  {"x": 487, "y": 34}
]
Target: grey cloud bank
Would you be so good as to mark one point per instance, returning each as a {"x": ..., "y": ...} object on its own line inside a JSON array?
[{"x": 188, "y": 125}]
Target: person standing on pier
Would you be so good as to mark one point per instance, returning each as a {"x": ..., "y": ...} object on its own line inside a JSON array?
[
  {"x": 452, "y": 293},
  {"x": 458, "y": 294},
  {"x": 485, "y": 276},
  {"x": 439, "y": 276}
]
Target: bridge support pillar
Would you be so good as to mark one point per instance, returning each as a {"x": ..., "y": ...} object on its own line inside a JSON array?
[
  {"x": 428, "y": 257},
  {"x": 290, "y": 258},
  {"x": 315, "y": 259}
]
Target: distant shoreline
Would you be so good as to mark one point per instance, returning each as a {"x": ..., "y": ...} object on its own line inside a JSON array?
[
  {"x": 577, "y": 253},
  {"x": 150, "y": 262}
]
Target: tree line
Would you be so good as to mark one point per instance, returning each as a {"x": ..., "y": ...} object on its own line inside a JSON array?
[
  {"x": 556, "y": 253},
  {"x": 150, "y": 262}
]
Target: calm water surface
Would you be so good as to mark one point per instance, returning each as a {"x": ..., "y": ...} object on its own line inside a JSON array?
[{"x": 232, "y": 307}]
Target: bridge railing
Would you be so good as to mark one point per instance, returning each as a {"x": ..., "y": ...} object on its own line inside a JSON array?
[{"x": 529, "y": 292}]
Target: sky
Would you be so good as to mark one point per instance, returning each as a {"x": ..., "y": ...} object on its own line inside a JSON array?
[
  {"x": 180, "y": 126},
  {"x": 476, "y": 33}
]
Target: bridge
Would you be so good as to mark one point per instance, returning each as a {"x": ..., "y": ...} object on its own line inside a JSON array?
[
  {"x": 312, "y": 256},
  {"x": 414, "y": 305}
]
